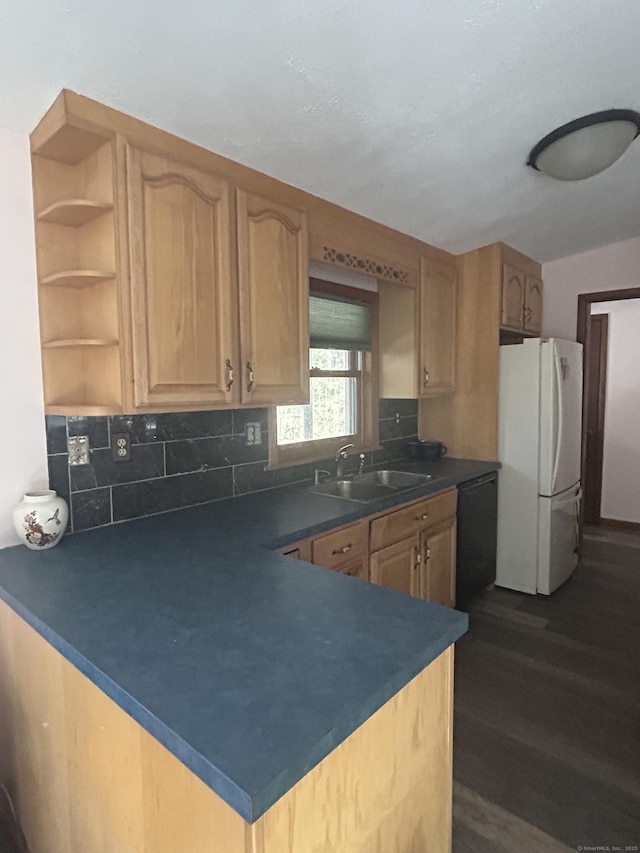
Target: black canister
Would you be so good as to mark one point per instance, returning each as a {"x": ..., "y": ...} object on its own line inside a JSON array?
[{"x": 424, "y": 449}]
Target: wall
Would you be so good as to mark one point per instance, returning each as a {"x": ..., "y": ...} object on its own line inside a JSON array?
[
  {"x": 187, "y": 458},
  {"x": 610, "y": 268},
  {"x": 621, "y": 466},
  {"x": 22, "y": 439}
]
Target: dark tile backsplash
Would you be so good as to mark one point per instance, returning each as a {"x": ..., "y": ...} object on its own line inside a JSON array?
[{"x": 186, "y": 458}]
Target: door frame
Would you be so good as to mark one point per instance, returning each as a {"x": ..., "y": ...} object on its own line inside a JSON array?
[
  {"x": 595, "y": 479},
  {"x": 585, "y": 301}
]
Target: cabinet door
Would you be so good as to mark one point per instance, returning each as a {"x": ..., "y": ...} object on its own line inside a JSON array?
[
  {"x": 438, "y": 581},
  {"x": 274, "y": 301},
  {"x": 396, "y": 567},
  {"x": 438, "y": 304},
  {"x": 184, "y": 327},
  {"x": 532, "y": 305},
  {"x": 512, "y": 316}
]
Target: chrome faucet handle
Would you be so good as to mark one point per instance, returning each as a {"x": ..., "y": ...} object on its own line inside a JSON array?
[
  {"x": 361, "y": 465},
  {"x": 342, "y": 453},
  {"x": 317, "y": 473}
]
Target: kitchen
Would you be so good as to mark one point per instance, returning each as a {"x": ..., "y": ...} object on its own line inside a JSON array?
[{"x": 446, "y": 417}]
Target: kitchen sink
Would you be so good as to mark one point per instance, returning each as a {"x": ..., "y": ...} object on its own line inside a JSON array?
[
  {"x": 397, "y": 480},
  {"x": 371, "y": 486}
]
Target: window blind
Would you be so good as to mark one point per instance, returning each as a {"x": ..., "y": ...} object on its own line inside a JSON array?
[{"x": 336, "y": 323}]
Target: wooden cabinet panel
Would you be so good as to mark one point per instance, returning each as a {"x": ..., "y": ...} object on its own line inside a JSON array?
[
  {"x": 438, "y": 305},
  {"x": 396, "y": 566},
  {"x": 532, "y": 305},
  {"x": 412, "y": 518},
  {"x": 340, "y": 547},
  {"x": 356, "y": 568},
  {"x": 274, "y": 301},
  {"x": 438, "y": 580},
  {"x": 184, "y": 335},
  {"x": 513, "y": 289}
]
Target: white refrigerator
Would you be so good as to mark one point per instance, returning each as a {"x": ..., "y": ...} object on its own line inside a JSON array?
[{"x": 539, "y": 420}]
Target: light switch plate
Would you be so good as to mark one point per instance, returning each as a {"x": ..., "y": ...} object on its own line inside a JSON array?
[{"x": 78, "y": 449}]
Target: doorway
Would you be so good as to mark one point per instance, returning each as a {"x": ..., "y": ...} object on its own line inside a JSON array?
[{"x": 592, "y": 333}]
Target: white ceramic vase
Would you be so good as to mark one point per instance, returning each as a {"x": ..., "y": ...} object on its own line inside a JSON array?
[{"x": 41, "y": 519}]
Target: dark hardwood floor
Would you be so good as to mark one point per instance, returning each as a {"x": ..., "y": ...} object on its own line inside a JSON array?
[{"x": 547, "y": 711}]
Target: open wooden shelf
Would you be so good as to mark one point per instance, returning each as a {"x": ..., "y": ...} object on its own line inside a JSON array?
[
  {"x": 84, "y": 409},
  {"x": 67, "y": 143},
  {"x": 76, "y": 278},
  {"x": 74, "y": 211},
  {"x": 80, "y": 342}
]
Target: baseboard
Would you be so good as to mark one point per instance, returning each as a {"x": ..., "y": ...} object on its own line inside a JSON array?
[{"x": 620, "y": 525}]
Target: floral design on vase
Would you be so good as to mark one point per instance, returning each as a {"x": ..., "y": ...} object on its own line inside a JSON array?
[{"x": 40, "y": 519}]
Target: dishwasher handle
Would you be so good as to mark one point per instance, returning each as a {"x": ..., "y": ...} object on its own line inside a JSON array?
[{"x": 474, "y": 484}]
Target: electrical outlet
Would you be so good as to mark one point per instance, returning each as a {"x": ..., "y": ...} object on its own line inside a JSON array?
[
  {"x": 78, "y": 449},
  {"x": 121, "y": 446},
  {"x": 397, "y": 417},
  {"x": 252, "y": 433}
]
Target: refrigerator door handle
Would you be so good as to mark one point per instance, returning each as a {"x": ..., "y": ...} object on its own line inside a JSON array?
[
  {"x": 559, "y": 404},
  {"x": 574, "y": 499}
]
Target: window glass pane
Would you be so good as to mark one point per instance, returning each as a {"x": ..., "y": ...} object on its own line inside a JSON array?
[
  {"x": 331, "y": 413},
  {"x": 329, "y": 359}
]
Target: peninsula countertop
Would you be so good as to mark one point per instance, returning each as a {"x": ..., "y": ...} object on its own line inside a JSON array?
[{"x": 250, "y": 667}]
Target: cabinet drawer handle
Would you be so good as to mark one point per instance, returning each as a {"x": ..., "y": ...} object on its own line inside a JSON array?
[
  {"x": 425, "y": 376},
  {"x": 422, "y": 517},
  {"x": 229, "y": 367},
  {"x": 343, "y": 550},
  {"x": 250, "y": 377}
]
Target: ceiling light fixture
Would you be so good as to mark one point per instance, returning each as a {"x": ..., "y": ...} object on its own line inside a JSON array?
[{"x": 586, "y": 146}]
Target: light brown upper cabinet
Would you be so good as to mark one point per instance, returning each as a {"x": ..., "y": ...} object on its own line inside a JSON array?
[
  {"x": 182, "y": 290},
  {"x": 521, "y": 301},
  {"x": 418, "y": 333},
  {"x": 438, "y": 303},
  {"x": 164, "y": 284},
  {"x": 273, "y": 263},
  {"x": 184, "y": 277},
  {"x": 532, "y": 305}
]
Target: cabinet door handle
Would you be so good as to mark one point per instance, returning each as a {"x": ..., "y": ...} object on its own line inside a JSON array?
[
  {"x": 229, "y": 367},
  {"x": 344, "y": 550},
  {"x": 428, "y": 553},
  {"x": 250, "y": 377},
  {"x": 422, "y": 517},
  {"x": 425, "y": 376}
]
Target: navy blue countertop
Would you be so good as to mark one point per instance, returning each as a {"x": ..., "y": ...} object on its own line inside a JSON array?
[{"x": 249, "y": 666}]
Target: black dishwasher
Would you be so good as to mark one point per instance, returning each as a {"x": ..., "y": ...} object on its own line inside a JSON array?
[{"x": 477, "y": 537}]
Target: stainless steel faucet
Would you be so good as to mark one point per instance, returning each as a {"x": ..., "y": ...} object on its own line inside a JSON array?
[{"x": 341, "y": 456}]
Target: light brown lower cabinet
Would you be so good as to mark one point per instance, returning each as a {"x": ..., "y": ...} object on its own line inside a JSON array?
[
  {"x": 422, "y": 565},
  {"x": 86, "y": 778},
  {"x": 396, "y": 566},
  {"x": 411, "y": 549},
  {"x": 438, "y": 567}
]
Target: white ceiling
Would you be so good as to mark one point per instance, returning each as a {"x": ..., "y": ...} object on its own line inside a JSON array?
[{"x": 417, "y": 113}]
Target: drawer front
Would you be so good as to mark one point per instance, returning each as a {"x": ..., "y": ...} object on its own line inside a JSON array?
[
  {"x": 403, "y": 522},
  {"x": 336, "y": 549}
]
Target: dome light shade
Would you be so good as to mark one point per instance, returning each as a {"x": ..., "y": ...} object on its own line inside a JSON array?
[{"x": 586, "y": 146}]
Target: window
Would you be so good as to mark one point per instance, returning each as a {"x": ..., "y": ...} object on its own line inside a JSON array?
[{"x": 343, "y": 400}]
